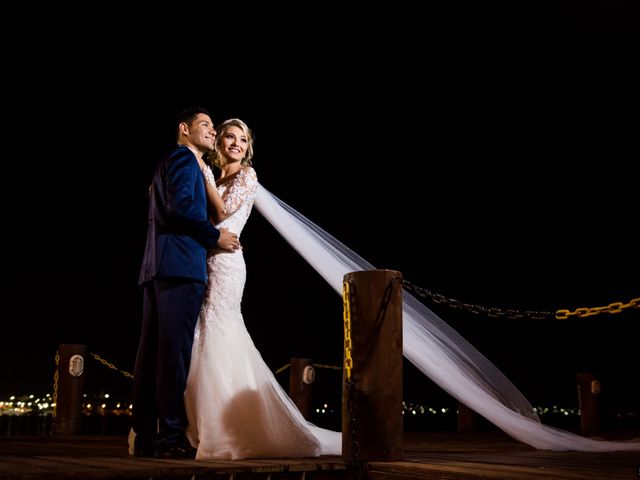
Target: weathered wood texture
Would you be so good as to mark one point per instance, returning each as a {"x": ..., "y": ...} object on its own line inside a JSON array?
[
  {"x": 70, "y": 379},
  {"x": 300, "y": 385},
  {"x": 372, "y": 393},
  {"x": 488, "y": 455}
]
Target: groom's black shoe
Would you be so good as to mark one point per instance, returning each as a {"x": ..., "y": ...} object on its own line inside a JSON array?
[
  {"x": 175, "y": 447},
  {"x": 177, "y": 451},
  {"x": 143, "y": 447}
]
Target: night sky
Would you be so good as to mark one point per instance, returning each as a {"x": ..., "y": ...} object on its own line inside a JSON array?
[{"x": 484, "y": 153}]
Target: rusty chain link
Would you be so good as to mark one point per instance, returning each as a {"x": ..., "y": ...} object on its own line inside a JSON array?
[
  {"x": 54, "y": 399},
  {"x": 314, "y": 365},
  {"x": 330, "y": 367},
  {"x": 476, "y": 309},
  {"x": 110, "y": 365},
  {"x": 562, "y": 314}
]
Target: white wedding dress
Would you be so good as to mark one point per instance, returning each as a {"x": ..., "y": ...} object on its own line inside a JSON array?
[{"x": 235, "y": 406}]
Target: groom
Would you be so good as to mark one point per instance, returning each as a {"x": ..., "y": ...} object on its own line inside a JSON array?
[{"x": 173, "y": 277}]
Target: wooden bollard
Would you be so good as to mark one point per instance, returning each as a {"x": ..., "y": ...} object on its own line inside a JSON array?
[
  {"x": 70, "y": 385},
  {"x": 301, "y": 378},
  {"x": 588, "y": 391},
  {"x": 467, "y": 418},
  {"x": 372, "y": 428}
]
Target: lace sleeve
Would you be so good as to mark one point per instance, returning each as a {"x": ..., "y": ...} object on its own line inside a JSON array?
[
  {"x": 242, "y": 190},
  {"x": 208, "y": 176}
]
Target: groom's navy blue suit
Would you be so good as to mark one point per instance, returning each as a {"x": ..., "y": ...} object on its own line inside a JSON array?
[{"x": 174, "y": 276}]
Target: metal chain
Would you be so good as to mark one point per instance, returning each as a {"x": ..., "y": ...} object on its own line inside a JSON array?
[
  {"x": 615, "y": 307},
  {"x": 346, "y": 300},
  {"x": 110, "y": 365},
  {"x": 282, "y": 368},
  {"x": 331, "y": 367},
  {"x": 54, "y": 400},
  {"x": 315, "y": 365},
  {"x": 354, "y": 462}
]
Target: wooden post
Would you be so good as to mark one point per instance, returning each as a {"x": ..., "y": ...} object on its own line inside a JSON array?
[
  {"x": 467, "y": 418},
  {"x": 301, "y": 378},
  {"x": 372, "y": 371},
  {"x": 70, "y": 385},
  {"x": 588, "y": 391}
]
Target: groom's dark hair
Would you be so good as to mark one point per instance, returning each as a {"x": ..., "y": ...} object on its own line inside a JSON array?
[{"x": 188, "y": 114}]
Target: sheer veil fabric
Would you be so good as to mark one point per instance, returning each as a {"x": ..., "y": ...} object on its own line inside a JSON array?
[{"x": 430, "y": 344}]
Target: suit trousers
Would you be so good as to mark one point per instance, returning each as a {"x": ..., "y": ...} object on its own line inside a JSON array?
[{"x": 170, "y": 311}]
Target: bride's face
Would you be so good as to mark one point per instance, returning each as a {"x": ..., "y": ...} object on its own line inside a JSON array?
[{"x": 233, "y": 144}]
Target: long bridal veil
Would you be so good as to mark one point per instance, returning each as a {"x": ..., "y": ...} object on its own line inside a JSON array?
[{"x": 430, "y": 344}]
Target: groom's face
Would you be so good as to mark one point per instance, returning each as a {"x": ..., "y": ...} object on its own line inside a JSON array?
[{"x": 201, "y": 133}]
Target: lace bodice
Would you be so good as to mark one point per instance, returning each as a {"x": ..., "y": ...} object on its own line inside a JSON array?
[{"x": 238, "y": 196}]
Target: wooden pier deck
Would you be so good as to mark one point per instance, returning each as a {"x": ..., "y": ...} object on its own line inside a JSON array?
[{"x": 427, "y": 455}]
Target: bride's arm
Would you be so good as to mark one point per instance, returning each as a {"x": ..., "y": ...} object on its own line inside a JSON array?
[
  {"x": 217, "y": 210},
  {"x": 241, "y": 191}
]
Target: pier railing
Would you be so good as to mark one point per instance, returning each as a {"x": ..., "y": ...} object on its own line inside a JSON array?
[{"x": 372, "y": 357}]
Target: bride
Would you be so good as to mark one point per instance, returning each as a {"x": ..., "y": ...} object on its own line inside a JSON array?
[{"x": 236, "y": 407}]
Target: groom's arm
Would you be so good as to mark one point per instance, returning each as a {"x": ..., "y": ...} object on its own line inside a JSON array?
[{"x": 182, "y": 173}]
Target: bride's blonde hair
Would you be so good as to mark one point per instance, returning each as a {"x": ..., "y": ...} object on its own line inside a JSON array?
[{"x": 215, "y": 156}]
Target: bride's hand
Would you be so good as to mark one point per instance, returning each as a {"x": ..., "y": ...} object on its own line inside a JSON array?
[{"x": 208, "y": 175}]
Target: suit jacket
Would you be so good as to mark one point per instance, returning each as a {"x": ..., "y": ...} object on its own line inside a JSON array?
[{"x": 179, "y": 232}]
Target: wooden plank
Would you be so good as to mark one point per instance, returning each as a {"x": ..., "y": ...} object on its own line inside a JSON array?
[{"x": 428, "y": 455}]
